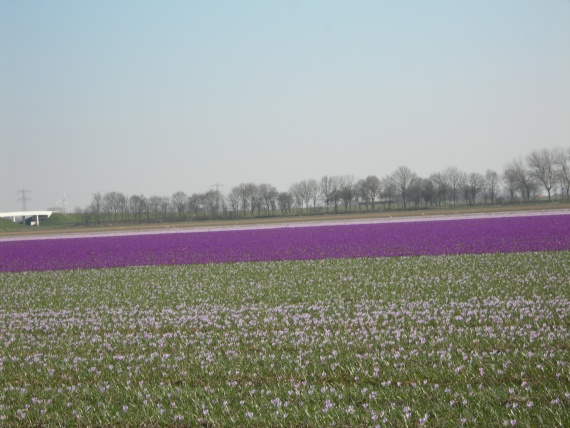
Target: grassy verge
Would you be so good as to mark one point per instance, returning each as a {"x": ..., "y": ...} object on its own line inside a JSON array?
[
  {"x": 60, "y": 220},
  {"x": 10, "y": 227},
  {"x": 476, "y": 340}
]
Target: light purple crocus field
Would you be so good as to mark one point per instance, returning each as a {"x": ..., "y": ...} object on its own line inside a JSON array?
[{"x": 455, "y": 236}]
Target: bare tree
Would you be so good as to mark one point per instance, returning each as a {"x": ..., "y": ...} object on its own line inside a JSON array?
[
  {"x": 96, "y": 206},
  {"x": 123, "y": 204},
  {"x": 106, "y": 206},
  {"x": 440, "y": 187},
  {"x": 325, "y": 190},
  {"x": 306, "y": 196},
  {"x": 313, "y": 192},
  {"x": 427, "y": 190},
  {"x": 474, "y": 186},
  {"x": 347, "y": 195},
  {"x": 329, "y": 188},
  {"x": 404, "y": 178},
  {"x": 164, "y": 204},
  {"x": 211, "y": 202},
  {"x": 370, "y": 189},
  {"x": 285, "y": 202},
  {"x": 253, "y": 197},
  {"x": 268, "y": 194},
  {"x": 144, "y": 207},
  {"x": 414, "y": 192},
  {"x": 223, "y": 204},
  {"x": 510, "y": 181},
  {"x": 133, "y": 206},
  {"x": 195, "y": 205},
  {"x": 362, "y": 195},
  {"x": 154, "y": 206},
  {"x": 137, "y": 205},
  {"x": 455, "y": 181},
  {"x": 562, "y": 164},
  {"x": 304, "y": 192},
  {"x": 347, "y": 191},
  {"x": 84, "y": 214},
  {"x": 335, "y": 183},
  {"x": 297, "y": 191},
  {"x": 234, "y": 200},
  {"x": 491, "y": 185},
  {"x": 524, "y": 181},
  {"x": 179, "y": 202},
  {"x": 542, "y": 168},
  {"x": 388, "y": 190},
  {"x": 242, "y": 192},
  {"x": 112, "y": 204}
]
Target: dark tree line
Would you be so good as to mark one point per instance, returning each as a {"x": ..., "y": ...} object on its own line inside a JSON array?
[{"x": 522, "y": 179}]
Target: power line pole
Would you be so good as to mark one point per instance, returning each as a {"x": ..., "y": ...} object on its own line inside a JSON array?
[
  {"x": 217, "y": 186},
  {"x": 24, "y": 198}
]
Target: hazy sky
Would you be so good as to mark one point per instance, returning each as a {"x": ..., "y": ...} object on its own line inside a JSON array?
[{"x": 154, "y": 97}]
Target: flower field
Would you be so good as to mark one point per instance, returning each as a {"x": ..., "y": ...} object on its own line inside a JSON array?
[
  {"x": 460, "y": 236},
  {"x": 475, "y": 332}
]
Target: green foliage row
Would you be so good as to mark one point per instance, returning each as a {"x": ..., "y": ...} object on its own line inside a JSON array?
[{"x": 9, "y": 226}]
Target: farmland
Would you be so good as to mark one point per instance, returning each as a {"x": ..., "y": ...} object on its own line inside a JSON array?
[
  {"x": 547, "y": 232},
  {"x": 474, "y": 334}
]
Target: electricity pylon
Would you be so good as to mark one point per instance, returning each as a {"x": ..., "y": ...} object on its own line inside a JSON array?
[{"x": 24, "y": 198}]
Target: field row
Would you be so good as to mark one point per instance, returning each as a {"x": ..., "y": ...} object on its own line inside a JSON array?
[
  {"x": 458, "y": 236},
  {"x": 474, "y": 340}
]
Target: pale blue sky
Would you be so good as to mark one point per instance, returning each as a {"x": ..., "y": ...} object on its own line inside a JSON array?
[{"x": 160, "y": 96}]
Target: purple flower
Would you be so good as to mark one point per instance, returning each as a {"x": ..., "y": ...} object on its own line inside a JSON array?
[{"x": 458, "y": 236}]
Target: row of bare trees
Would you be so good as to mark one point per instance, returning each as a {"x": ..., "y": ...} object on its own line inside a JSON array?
[
  {"x": 523, "y": 179},
  {"x": 115, "y": 207},
  {"x": 540, "y": 170}
]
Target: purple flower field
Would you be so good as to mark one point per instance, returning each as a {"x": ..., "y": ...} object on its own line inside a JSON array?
[{"x": 456, "y": 236}]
